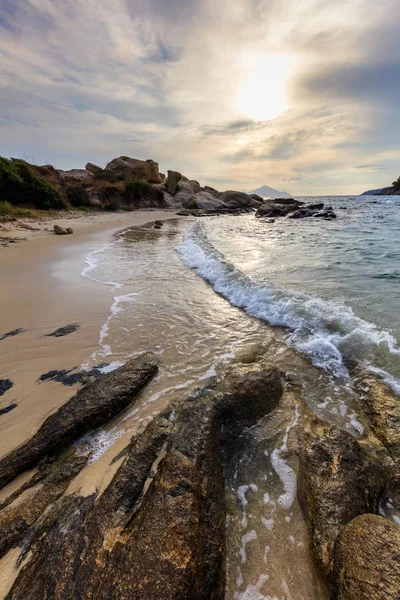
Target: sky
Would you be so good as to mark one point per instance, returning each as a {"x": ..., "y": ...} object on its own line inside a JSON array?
[{"x": 301, "y": 95}]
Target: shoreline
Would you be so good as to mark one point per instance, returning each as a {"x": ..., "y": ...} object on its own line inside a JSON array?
[{"x": 43, "y": 290}]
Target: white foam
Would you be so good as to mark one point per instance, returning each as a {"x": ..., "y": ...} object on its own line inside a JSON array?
[
  {"x": 92, "y": 262},
  {"x": 246, "y": 539},
  {"x": 241, "y": 494},
  {"x": 98, "y": 443},
  {"x": 284, "y": 470},
  {"x": 268, "y": 523},
  {"x": 323, "y": 330}
]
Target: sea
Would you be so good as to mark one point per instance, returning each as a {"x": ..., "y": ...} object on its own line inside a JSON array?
[{"x": 320, "y": 299}]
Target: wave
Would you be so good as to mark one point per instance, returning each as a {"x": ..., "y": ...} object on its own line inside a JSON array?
[{"x": 327, "y": 332}]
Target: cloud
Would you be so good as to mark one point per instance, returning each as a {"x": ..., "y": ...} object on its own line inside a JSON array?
[{"x": 89, "y": 80}]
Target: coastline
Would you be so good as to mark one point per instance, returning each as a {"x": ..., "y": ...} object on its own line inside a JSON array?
[{"x": 42, "y": 290}]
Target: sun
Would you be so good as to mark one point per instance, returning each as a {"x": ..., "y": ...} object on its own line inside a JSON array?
[{"x": 262, "y": 91}]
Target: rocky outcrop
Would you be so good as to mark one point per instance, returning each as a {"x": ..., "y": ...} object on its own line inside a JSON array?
[
  {"x": 74, "y": 176},
  {"x": 91, "y": 406},
  {"x": 173, "y": 179},
  {"x": 92, "y": 168},
  {"x": 367, "y": 563},
  {"x": 212, "y": 191},
  {"x": 158, "y": 530},
  {"x": 234, "y": 199},
  {"x": 126, "y": 168}
]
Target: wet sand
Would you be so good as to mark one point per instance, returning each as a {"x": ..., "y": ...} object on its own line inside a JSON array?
[{"x": 42, "y": 290}]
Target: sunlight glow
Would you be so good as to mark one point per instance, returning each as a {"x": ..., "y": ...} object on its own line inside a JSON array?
[{"x": 262, "y": 92}]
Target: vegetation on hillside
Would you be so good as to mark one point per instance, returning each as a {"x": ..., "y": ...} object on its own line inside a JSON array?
[
  {"x": 21, "y": 186},
  {"x": 396, "y": 183}
]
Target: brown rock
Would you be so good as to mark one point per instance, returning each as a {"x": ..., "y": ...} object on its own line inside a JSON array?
[
  {"x": 132, "y": 168},
  {"x": 92, "y": 168},
  {"x": 91, "y": 406},
  {"x": 279, "y": 207},
  {"x": 235, "y": 199},
  {"x": 367, "y": 560},
  {"x": 59, "y": 230},
  {"x": 173, "y": 179},
  {"x": 69, "y": 230}
]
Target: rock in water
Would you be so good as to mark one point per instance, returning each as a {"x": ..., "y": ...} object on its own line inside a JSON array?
[
  {"x": 59, "y": 230},
  {"x": 279, "y": 207},
  {"x": 367, "y": 560},
  {"x": 125, "y": 167},
  {"x": 66, "y": 330},
  {"x": 173, "y": 179},
  {"x": 92, "y": 406}
]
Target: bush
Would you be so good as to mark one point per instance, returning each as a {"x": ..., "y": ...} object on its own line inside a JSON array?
[
  {"x": 21, "y": 186},
  {"x": 105, "y": 176},
  {"x": 137, "y": 187},
  {"x": 5, "y": 208},
  {"x": 78, "y": 196},
  {"x": 112, "y": 204},
  {"x": 396, "y": 183}
]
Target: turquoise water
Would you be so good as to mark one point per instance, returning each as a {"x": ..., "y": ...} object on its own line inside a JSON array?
[{"x": 334, "y": 284}]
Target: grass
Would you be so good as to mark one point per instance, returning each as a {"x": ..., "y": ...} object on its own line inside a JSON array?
[{"x": 8, "y": 210}]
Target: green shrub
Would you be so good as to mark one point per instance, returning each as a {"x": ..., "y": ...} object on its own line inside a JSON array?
[
  {"x": 396, "y": 183},
  {"x": 21, "y": 186},
  {"x": 5, "y": 208},
  {"x": 137, "y": 187},
  {"x": 78, "y": 196},
  {"x": 105, "y": 176},
  {"x": 112, "y": 204}
]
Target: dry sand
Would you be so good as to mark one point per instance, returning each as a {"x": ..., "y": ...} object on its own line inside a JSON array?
[{"x": 42, "y": 290}]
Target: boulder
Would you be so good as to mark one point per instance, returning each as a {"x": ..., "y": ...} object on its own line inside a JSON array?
[
  {"x": 212, "y": 191},
  {"x": 258, "y": 198},
  {"x": 302, "y": 213},
  {"x": 325, "y": 214},
  {"x": 273, "y": 208},
  {"x": 315, "y": 206},
  {"x": 340, "y": 478},
  {"x": 173, "y": 179},
  {"x": 235, "y": 199},
  {"x": 367, "y": 560},
  {"x": 158, "y": 223},
  {"x": 69, "y": 230},
  {"x": 59, "y": 230},
  {"x": 91, "y": 406},
  {"x": 74, "y": 175},
  {"x": 92, "y": 168},
  {"x": 189, "y": 187},
  {"x": 125, "y": 167}
]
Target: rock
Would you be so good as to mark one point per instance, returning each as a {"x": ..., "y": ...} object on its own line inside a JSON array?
[
  {"x": 173, "y": 179},
  {"x": 325, "y": 214},
  {"x": 270, "y": 221},
  {"x": 189, "y": 187},
  {"x": 90, "y": 407},
  {"x": 316, "y": 206},
  {"x": 7, "y": 409},
  {"x": 212, "y": 191},
  {"x": 186, "y": 200},
  {"x": 66, "y": 330},
  {"x": 235, "y": 199},
  {"x": 69, "y": 230},
  {"x": 92, "y": 168},
  {"x": 257, "y": 198},
  {"x": 281, "y": 208},
  {"x": 5, "y": 385},
  {"x": 302, "y": 213},
  {"x": 340, "y": 478},
  {"x": 59, "y": 230},
  {"x": 157, "y": 227},
  {"x": 132, "y": 168},
  {"x": 158, "y": 530},
  {"x": 74, "y": 175},
  {"x": 367, "y": 564},
  {"x": 12, "y": 333},
  {"x": 159, "y": 223}
]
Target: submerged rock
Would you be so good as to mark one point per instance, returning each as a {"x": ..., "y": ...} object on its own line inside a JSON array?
[
  {"x": 367, "y": 560},
  {"x": 7, "y": 409},
  {"x": 279, "y": 207},
  {"x": 302, "y": 213},
  {"x": 12, "y": 333},
  {"x": 5, "y": 385},
  {"x": 91, "y": 406}
]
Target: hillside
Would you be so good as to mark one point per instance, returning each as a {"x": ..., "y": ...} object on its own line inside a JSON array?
[{"x": 267, "y": 191}]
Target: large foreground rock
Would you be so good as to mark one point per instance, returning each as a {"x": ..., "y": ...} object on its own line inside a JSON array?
[
  {"x": 367, "y": 560},
  {"x": 172, "y": 181},
  {"x": 92, "y": 406},
  {"x": 125, "y": 167},
  {"x": 158, "y": 530},
  {"x": 235, "y": 199}
]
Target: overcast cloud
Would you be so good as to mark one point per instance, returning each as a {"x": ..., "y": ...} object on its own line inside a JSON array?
[{"x": 180, "y": 81}]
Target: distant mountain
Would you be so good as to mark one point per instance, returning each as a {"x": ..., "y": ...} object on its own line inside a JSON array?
[
  {"x": 372, "y": 192},
  {"x": 266, "y": 191}
]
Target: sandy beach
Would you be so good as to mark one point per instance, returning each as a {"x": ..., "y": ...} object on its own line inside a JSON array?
[{"x": 42, "y": 290}]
